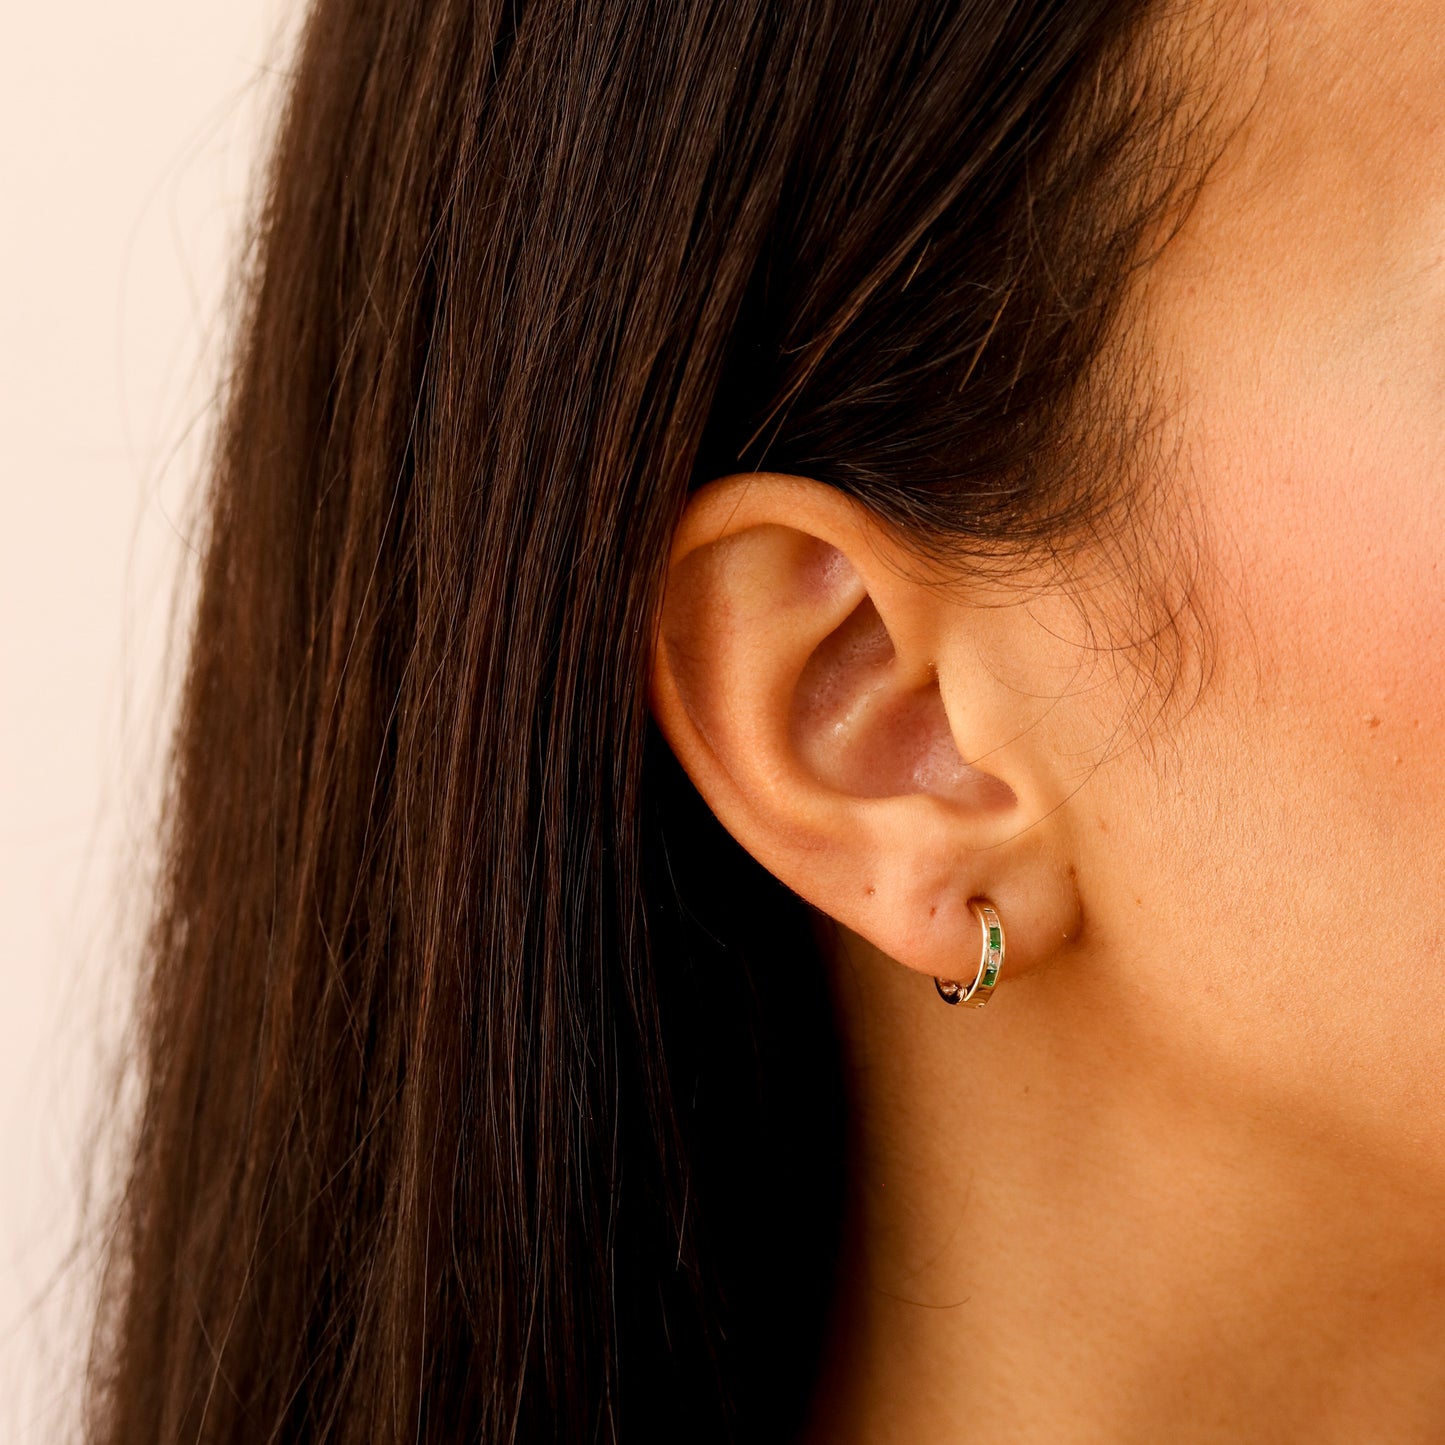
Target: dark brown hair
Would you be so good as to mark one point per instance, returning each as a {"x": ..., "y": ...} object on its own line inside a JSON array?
[{"x": 488, "y": 1090}]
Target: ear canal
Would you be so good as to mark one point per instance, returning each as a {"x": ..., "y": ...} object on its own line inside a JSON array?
[{"x": 859, "y": 730}]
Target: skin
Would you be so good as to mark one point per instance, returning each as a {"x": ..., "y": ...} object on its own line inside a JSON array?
[{"x": 1183, "y": 1178}]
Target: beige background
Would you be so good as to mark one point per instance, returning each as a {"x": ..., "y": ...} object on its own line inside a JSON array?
[{"x": 128, "y": 141}]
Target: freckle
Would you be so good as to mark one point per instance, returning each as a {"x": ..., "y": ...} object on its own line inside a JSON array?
[
  {"x": 1398, "y": 760},
  {"x": 1138, "y": 902},
  {"x": 1103, "y": 826},
  {"x": 1371, "y": 721},
  {"x": 934, "y": 909}
]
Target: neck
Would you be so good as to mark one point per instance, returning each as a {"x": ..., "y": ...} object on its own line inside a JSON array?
[{"x": 1058, "y": 1232}]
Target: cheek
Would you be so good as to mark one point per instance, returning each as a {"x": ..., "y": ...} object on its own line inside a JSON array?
[
  {"x": 1286, "y": 856},
  {"x": 1329, "y": 530}
]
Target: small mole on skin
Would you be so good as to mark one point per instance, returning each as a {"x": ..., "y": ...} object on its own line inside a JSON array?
[
  {"x": 934, "y": 909},
  {"x": 1371, "y": 721},
  {"x": 870, "y": 890}
]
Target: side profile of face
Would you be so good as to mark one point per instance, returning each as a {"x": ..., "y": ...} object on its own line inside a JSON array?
[
  {"x": 1286, "y": 851},
  {"x": 1228, "y": 924}
]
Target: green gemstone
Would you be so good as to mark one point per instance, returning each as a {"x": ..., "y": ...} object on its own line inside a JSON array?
[
  {"x": 989, "y": 975},
  {"x": 995, "y": 938}
]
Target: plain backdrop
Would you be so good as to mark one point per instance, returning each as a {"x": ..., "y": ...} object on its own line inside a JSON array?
[{"x": 130, "y": 136}]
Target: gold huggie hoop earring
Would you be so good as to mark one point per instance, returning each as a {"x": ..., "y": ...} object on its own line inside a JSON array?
[{"x": 989, "y": 962}]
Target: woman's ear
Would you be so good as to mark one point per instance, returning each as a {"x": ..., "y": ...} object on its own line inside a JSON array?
[{"x": 860, "y": 729}]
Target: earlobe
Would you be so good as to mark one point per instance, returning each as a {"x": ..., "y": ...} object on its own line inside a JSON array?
[{"x": 803, "y": 676}]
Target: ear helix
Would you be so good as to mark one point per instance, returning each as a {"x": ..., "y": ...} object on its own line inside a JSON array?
[{"x": 990, "y": 961}]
